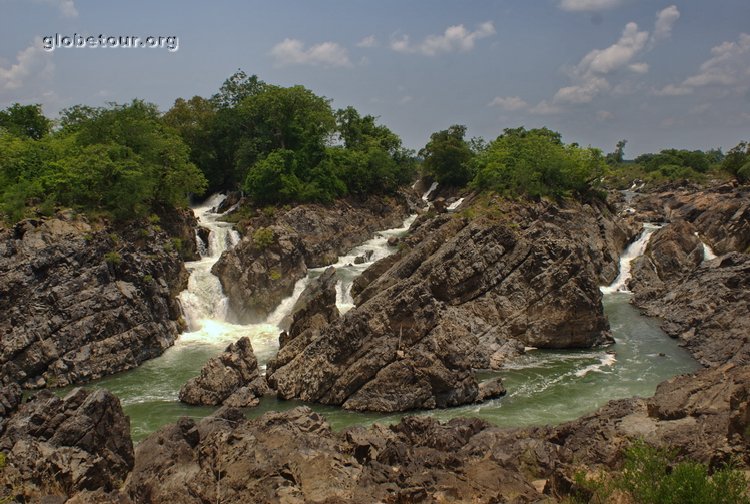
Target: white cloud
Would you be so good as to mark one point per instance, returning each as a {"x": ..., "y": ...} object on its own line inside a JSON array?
[
  {"x": 665, "y": 21},
  {"x": 66, "y": 7},
  {"x": 367, "y": 42},
  {"x": 639, "y": 68},
  {"x": 604, "y": 115},
  {"x": 32, "y": 63},
  {"x": 326, "y": 54},
  {"x": 455, "y": 39},
  {"x": 672, "y": 90},
  {"x": 545, "y": 108},
  {"x": 603, "y": 61},
  {"x": 728, "y": 67},
  {"x": 509, "y": 103},
  {"x": 589, "y": 5},
  {"x": 405, "y": 99},
  {"x": 591, "y": 76}
]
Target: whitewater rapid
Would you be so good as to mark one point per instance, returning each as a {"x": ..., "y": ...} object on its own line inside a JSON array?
[{"x": 634, "y": 251}]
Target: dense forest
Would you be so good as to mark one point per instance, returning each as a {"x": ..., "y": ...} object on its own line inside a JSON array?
[{"x": 286, "y": 144}]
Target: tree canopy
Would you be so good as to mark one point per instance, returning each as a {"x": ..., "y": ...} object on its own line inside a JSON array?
[{"x": 120, "y": 159}]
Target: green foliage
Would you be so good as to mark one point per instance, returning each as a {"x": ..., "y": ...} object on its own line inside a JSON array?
[
  {"x": 121, "y": 160},
  {"x": 651, "y": 476},
  {"x": 274, "y": 275},
  {"x": 447, "y": 157},
  {"x": 616, "y": 157},
  {"x": 251, "y": 132},
  {"x": 537, "y": 163},
  {"x": 26, "y": 121},
  {"x": 737, "y": 162},
  {"x": 671, "y": 162},
  {"x": 113, "y": 258},
  {"x": 148, "y": 279},
  {"x": 263, "y": 238}
]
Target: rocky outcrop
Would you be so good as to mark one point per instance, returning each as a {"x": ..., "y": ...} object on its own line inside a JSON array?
[
  {"x": 59, "y": 447},
  {"x": 10, "y": 399},
  {"x": 257, "y": 275},
  {"x": 314, "y": 310},
  {"x": 259, "y": 272},
  {"x": 721, "y": 214},
  {"x": 672, "y": 252},
  {"x": 708, "y": 310},
  {"x": 231, "y": 379},
  {"x": 460, "y": 295},
  {"x": 295, "y": 457},
  {"x": 79, "y": 301},
  {"x": 704, "y": 304}
]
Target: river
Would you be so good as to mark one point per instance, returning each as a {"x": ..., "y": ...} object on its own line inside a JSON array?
[{"x": 543, "y": 386}]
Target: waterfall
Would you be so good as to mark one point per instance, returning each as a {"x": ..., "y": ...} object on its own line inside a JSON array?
[
  {"x": 455, "y": 204},
  {"x": 426, "y": 195},
  {"x": 708, "y": 252},
  {"x": 204, "y": 298},
  {"x": 633, "y": 251}
]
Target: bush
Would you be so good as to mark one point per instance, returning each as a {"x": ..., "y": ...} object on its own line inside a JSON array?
[
  {"x": 263, "y": 238},
  {"x": 651, "y": 476},
  {"x": 113, "y": 258},
  {"x": 537, "y": 163}
]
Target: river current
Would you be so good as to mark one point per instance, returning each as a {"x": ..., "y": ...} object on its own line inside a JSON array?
[{"x": 543, "y": 386}]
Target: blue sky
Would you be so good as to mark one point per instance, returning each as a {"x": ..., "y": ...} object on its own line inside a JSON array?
[{"x": 659, "y": 74}]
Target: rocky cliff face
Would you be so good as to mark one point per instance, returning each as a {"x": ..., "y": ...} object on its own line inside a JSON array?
[
  {"x": 259, "y": 272},
  {"x": 460, "y": 296},
  {"x": 60, "y": 447},
  {"x": 79, "y": 301}
]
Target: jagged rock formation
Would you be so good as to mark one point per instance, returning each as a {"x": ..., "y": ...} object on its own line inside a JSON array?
[
  {"x": 462, "y": 294},
  {"x": 256, "y": 276},
  {"x": 80, "y": 301},
  {"x": 231, "y": 379},
  {"x": 314, "y": 310},
  {"x": 672, "y": 252},
  {"x": 704, "y": 304},
  {"x": 59, "y": 447},
  {"x": 721, "y": 214},
  {"x": 294, "y": 457}
]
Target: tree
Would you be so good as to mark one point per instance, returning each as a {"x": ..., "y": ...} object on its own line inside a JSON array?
[
  {"x": 536, "y": 162},
  {"x": 616, "y": 157},
  {"x": 447, "y": 156},
  {"x": 25, "y": 120},
  {"x": 236, "y": 88},
  {"x": 737, "y": 161}
]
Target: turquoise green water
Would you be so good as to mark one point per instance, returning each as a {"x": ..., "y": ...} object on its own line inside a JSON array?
[{"x": 543, "y": 386}]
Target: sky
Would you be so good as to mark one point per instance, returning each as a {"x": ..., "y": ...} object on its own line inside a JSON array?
[{"x": 659, "y": 74}]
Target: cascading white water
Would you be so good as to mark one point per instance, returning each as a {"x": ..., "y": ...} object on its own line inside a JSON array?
[
  {"x": 374, "y": 249},
  {"x": 455, "y": 204},
  {"x": 426, "y": 195},
  {"x": 708, "y": 252},
  {"x": 204, "y": 298},
  {"x": 633, "y": 251}
]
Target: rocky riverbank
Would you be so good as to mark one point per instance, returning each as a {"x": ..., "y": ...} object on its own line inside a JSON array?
[
  {"x": 279, "y": 245},
  {"x": 295, "y": 456},
  {"x": 704, "y": 303},
  {"x": 82, "y": 300}
]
